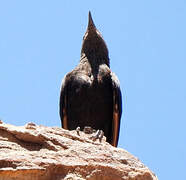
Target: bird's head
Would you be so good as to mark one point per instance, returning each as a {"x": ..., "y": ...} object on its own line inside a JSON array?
[{"x": 94, "y": 46}]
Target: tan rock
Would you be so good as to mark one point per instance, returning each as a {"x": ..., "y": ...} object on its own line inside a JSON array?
[{"x": 33, "y": 152}]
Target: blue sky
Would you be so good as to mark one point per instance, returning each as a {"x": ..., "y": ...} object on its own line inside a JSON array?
[{"x": 40, "y": 42}]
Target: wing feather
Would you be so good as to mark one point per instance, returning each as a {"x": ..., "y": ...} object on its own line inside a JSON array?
[
  {"x": 117, "y": 109},
  {"x": 63, "y": 103}
]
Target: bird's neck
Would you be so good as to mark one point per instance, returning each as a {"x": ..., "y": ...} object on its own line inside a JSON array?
[
  {"x": 94, "y": 59},
  {"x": 92, "y": 64}
]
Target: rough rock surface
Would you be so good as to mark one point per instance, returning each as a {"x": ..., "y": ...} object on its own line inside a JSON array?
[{"x": 33, "y": 152}]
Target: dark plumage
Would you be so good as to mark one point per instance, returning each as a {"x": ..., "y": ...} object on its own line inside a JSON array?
[{"x": 90, "y": 94}]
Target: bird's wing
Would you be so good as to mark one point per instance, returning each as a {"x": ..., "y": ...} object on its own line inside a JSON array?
[
  {"x": 117, "y": 109},
  {"x": 63, "y": 103}
]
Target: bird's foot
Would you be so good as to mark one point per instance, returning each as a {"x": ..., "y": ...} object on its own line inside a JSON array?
[
  {"x": 89, "y": 130},
  {"x": 86, "y": 130},
  {"x": 98, "y": 135}
]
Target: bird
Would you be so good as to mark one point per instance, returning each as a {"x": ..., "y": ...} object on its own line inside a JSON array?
[{"x": 90, "y": 94}]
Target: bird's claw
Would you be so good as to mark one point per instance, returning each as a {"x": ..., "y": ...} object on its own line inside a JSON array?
[
  {"x": 89, "y": 130},
  {"x": 99, "y": 135},
  {"x": 78, "y": 130}
]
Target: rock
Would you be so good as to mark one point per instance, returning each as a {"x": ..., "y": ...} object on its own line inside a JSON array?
[{"x": 33, "y": 152}]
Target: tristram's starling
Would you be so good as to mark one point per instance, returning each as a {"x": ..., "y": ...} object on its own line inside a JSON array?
[{"x": 90, "y": 94}]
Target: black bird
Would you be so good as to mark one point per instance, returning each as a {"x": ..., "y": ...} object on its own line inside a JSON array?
[{"x": 90, "y": 94}]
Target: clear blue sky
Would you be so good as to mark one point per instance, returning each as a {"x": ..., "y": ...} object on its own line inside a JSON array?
[{"x": 40, "y": 42}]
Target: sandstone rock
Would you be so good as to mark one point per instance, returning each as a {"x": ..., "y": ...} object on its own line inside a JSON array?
[{"x": 33, "y": 152}]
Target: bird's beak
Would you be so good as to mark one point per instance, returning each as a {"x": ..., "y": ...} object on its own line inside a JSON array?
[{"x": 91, "y": 25}]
